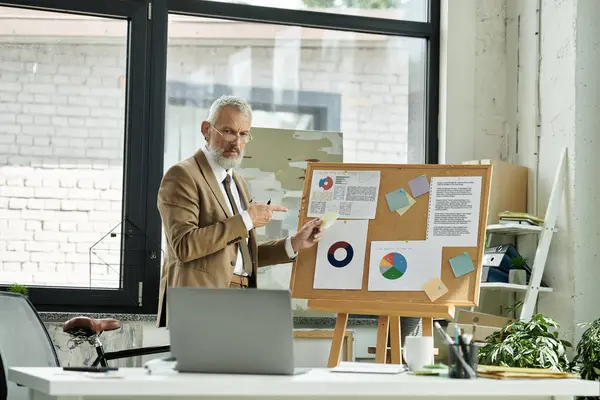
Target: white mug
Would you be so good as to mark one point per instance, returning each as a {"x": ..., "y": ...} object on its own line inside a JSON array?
[{"x": 418, "y": 351}]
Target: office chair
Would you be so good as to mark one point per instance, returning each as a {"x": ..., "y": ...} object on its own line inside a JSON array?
[{"x": 24, "y": 342}]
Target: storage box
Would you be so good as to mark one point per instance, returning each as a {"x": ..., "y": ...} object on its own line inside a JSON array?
[
  {"x": 497, "y": 260},
  {"x": 487, "y": 324},
  {"x": 497, "y": 264},
  {"x": 508, "y": 188}
]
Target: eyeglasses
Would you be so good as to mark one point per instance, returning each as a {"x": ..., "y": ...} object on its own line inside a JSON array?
[{"x": 245, "y": 137}]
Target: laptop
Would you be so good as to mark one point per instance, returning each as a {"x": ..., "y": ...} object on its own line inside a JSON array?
[{"x": 231, "y": 331}]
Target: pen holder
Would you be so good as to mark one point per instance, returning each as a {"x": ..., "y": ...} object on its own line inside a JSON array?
[{"x": 455, "y": 367}]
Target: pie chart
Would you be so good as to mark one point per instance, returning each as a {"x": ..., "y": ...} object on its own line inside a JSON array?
[
  {"x": 392, "y": 266},
  {"x": 344, "y": 261}
]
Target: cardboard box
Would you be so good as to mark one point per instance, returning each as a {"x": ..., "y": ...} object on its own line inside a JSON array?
[
  {"x": 508, "y": 188},
  {"x": 487, "y": 324}
]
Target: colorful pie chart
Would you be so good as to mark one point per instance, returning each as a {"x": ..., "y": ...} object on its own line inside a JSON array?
[{"x": 392, "y": 266}]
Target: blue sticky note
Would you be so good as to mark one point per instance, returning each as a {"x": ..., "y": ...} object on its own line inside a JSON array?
[
  {"x": 397, "y": 199},
  {"x": 462, "y": 264}
]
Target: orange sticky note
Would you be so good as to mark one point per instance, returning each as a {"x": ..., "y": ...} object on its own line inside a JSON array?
[{"x": 435, "y": 288}]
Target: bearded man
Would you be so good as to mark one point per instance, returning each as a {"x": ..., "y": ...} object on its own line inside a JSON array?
[{"x": 209, "y": 218}]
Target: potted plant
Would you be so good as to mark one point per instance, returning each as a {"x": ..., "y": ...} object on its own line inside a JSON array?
[
  {"x": 518, "y": 274},
  {"x": 587, "y": 359},
  {"x": 19, "y": 288},
  {"x": 532, "y": 344}
]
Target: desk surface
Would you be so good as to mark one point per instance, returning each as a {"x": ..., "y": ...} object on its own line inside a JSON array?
[{"x": 316, "y": 382}]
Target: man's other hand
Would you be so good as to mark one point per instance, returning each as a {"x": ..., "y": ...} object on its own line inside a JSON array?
[
  {"x": 308, "y": 235},
  {"x": 262, "y": 213}
]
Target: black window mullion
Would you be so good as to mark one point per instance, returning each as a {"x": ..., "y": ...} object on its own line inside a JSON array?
[
  {"x": 432, "y": 84},
  {"x": 157, "y": 44},
  {"x": 133, "y": 228}
]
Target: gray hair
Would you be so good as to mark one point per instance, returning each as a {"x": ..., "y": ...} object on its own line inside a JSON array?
[{"x": 228, "y": 101}]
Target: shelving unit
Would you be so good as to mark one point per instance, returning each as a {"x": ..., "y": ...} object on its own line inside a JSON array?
[
  {"x": 545, "y": 233},
  {"x": 509, "y": 287}
]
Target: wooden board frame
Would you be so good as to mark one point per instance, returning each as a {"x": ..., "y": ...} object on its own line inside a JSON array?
[{"x": 462, "y": 291}]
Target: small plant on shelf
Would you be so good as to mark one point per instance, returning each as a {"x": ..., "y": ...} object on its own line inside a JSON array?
[
  {"x": 19, "y": 288},
  {"x": 532, "y": 344},
  {"x": 518, "y": 262}
]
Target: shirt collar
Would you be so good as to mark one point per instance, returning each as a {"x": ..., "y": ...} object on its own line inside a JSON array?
[{"x": 219, "y": 172}]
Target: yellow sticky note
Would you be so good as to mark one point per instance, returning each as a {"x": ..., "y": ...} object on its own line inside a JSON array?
[
  {"x": 411, "y": 201},
  {"x": 435, "y": 288},
  {"x": 328, "y": 219}
]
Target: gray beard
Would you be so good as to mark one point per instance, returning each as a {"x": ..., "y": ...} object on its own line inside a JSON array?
[{"x": 224, "y": 162}]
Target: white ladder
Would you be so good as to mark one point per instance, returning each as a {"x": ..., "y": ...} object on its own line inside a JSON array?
[{"x": 543, "y": 246}]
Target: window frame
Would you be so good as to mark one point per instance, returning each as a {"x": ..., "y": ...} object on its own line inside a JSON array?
[
  {"x": 125, "y": 299},
  {"x": 145, "y": 121}
]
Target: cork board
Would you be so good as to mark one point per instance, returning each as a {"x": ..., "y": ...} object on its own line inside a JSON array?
[{"x": 389, "y": 226}]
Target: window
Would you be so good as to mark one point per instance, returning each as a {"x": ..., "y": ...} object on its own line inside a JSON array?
[
  {"x": 366, "y": 81},
  {"x": 98, "y": 98},
  {"x": 62, "y": 148},
  {"x": 63, "y": 115}
]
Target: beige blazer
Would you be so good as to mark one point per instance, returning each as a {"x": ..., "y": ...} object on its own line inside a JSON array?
[{"x": 201, "y": 233}]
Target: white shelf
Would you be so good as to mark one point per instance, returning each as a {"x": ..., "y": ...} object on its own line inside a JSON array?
[
  {"x": 516, "y": 229},
  {"x": 509, "y": 287}
]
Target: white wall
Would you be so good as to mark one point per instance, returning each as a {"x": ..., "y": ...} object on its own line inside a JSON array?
[
  {"x": 485, "y": 37},
  {"x": 569, "y": 95},
  {"x": 473, "y": 81},
  {"x": 587, "y": 148}
]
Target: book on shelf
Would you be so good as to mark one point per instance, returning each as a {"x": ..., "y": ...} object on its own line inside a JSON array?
[{"x": 519, "y": 218}]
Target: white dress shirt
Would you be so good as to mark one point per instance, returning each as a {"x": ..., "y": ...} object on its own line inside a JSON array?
[{"x": 220, "y": 173}]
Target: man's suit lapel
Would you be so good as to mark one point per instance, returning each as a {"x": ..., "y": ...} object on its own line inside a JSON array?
[{"x": 212, "y": 181}]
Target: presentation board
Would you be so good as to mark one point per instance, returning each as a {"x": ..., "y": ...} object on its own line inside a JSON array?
[{"x": 404, "y": 233}]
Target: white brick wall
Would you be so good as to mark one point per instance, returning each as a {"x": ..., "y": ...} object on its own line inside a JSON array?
[
  {"x": 61, "y": 152},
  {"x": 61, "y": 137}
]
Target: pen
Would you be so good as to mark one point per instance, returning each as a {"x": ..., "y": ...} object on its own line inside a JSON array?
[
  {"x": 90, "y": 369},
  {"x": 463, "y": 346},
  {"x": 456, "y": 335},
  {"x": 268, "y": 202}
]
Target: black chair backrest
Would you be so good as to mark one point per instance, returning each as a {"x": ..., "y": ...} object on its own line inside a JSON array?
[{"x": 3, "y": 384}]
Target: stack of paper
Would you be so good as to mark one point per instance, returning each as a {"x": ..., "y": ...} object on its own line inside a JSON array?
[{"x": 497, "y": 372}]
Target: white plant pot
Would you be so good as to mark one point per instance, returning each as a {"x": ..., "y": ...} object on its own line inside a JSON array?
[{"x": 517, "y": 276}]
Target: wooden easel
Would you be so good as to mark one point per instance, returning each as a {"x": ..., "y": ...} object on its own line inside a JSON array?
[
  {"x": 389, "y": 322},
  {"x": 389, "y": 306}
]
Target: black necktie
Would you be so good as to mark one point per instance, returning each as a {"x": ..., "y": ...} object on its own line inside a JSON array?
[{"x": 246, "y": 259}]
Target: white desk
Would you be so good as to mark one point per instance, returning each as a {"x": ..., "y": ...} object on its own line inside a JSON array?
[{"x": 129, "y": 383}]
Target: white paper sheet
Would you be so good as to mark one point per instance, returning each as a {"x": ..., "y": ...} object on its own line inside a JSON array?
[
  {"x": 351, "y": 194},
  {"x": 368, "y": 368},
  {"x": 341, "y": 268},
  {"x": 453, "y": 218},
  {"x": 403, "y": 265}
]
